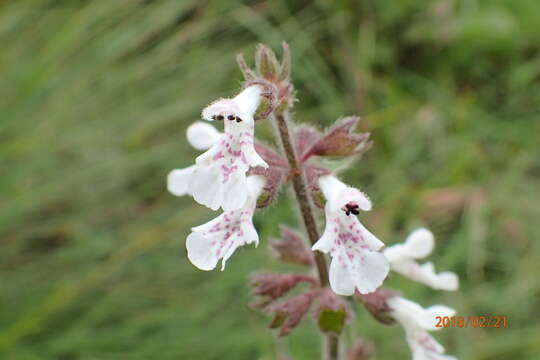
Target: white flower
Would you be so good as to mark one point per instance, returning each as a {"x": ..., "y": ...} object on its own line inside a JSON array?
[
  {"x": 201, "y": 136},
  {"x": 419, "y": 244},
  {"x": 219, "y": 238},
  {"x": 218, "y": 178},
  {"x": 417, "y": 321},
  {"x": 356, "y": 262}
]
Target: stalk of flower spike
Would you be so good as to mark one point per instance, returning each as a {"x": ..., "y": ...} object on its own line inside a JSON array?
[
  {"x": 356, "y": 263},
  {"x": 300, "y": 189},
  {"x": 220, "y": 237},
  {"x": 417, "y": 321},
  {"x": 419, "y": 244}
]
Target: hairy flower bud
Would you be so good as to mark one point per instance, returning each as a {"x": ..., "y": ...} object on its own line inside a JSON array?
[
  {"x": 375, "y": 303},
  {"x": 285, "y": 69},
  {"x": 304, "y": 139},
  {"x": 292, "y": 248},
  {"x": 340, "y": 140},
  {"x": 248, "y": 73},
  {"x": 273, "y": 286},
  {"x": 271, "y": 75},
  {"x": 266, "y": 63},
  {"x": 288, "y": 314}
]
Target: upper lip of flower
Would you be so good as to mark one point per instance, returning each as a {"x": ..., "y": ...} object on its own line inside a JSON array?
[{"x": 240, "y": 108}]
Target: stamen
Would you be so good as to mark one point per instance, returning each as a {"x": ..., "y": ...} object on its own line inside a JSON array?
[
  {"x": 220, "y": 117},
  {"x": 213, "y": 117},
  {"x": 351, "y": 208},
  {"x": 230, "y": 117},
  {"x": 238, "y": 119}
]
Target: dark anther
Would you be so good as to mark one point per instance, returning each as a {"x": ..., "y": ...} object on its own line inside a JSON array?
[
  {"x": 350, "y": 208},
  {"x": 213, "y": 117},
  {"x": 220, "y": 117},
  {"x": 238, "y": 119},
  {"x": 230, "y": 117}
]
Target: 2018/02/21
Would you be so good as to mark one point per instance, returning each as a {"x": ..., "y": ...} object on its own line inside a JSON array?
[{"x": 471, "y": 321}]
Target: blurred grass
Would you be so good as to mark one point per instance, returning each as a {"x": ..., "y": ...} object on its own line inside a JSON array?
[{"x": 95, "y": 97}]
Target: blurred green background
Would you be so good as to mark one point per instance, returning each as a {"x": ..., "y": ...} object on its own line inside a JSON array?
[{"x": 95, "y": 97}]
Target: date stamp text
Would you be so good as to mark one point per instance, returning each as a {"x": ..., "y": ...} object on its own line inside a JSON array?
[{"x": 471, "y": 321}]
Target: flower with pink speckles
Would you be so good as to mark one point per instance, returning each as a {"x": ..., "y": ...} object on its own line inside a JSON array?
[
  {"x": 356, "y": 260},
  {"x": 220, "y": 237},
  {"x": 419, "y": 244},
  {"x": 417, "y": 321},
  {"x": 218, "y": 178}
]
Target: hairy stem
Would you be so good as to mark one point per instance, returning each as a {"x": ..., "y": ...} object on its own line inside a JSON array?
[
  {"x": 332, "y": 346},
  {"x": 301, "y": 191},
  {"x": 300, "y": 188}
]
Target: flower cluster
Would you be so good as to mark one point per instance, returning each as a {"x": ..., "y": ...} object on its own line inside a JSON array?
[
  {"x": 231, "y": 175},
  {"x": 238, "y": 174},
  {"x": 219, "y": 179}
]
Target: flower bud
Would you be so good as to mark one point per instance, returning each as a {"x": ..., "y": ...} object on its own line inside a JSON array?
[
  {"x": 292, "y": 248},
  {"x": 266, "y": 63},
  {"x": 375, "y": 303},
  {"x": 273, "y": 286},
  {"x": 273, "y": 76},
  {"x": 340, "y": 140},
  {"x": 285, "y": 70},
  {"x": 288, "y": 314},
  {"x": 246, "y": 70}
]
